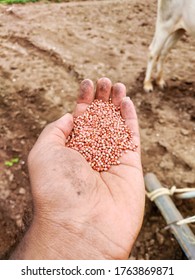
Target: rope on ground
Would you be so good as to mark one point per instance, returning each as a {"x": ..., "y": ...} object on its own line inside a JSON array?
[
  {"x": 188, "y": 220},
  {"x": 180, "y": 193}
]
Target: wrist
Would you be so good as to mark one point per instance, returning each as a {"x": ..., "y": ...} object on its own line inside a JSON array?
[{"x": 46, "y": 240}]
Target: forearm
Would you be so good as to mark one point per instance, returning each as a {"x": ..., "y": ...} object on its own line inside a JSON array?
[{"x": 29, "y": 247}]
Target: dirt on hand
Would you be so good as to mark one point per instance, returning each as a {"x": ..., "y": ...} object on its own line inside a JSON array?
[{"x": 46, "y": 50}]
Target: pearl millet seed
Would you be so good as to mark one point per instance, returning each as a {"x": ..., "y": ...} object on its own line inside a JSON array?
[{"x": 101, "y": 135}]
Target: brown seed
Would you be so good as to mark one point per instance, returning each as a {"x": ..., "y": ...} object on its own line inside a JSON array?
[{"x": 101, "y": 135}]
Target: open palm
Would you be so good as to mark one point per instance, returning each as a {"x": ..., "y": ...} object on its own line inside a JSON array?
[{"x": 96, "y": 215}]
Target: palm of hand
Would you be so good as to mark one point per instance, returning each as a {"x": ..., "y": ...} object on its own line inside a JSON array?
[{"x": 107, "y": 207}]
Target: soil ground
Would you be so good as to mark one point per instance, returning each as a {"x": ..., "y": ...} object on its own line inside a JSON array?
[{"x": 46, "y": 49}]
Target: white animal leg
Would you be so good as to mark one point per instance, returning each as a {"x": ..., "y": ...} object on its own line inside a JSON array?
[
  {"x": 169, "y": 44},
  {"x": 155, "y": 48}
]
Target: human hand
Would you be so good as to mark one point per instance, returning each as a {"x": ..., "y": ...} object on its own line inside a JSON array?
[{"x": 80, "y": 213}]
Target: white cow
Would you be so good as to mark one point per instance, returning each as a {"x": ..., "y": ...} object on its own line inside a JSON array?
[{"x": 174, "y": 17}]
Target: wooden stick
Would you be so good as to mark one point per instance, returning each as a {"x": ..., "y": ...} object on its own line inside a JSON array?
[{"x": 182, "y": 233}]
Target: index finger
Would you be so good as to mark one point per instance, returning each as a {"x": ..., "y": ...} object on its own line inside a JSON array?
[{"x": 85, "y": 97}]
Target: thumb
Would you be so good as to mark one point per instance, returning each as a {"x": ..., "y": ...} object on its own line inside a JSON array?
[
  {"x": 64, "y": 124},
  {"x": 57, "y": 131}
]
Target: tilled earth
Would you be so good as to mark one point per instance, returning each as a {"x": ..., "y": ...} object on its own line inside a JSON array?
[{"x": 46, "y": 49}]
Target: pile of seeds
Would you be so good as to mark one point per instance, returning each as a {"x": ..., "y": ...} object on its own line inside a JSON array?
[{"x": 101, "y": 135}]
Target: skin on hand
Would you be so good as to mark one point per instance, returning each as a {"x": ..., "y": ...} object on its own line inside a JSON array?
[{"x": 80, "y": 213}]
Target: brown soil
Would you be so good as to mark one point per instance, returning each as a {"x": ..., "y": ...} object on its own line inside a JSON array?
[{"x": 45, "y": 51}]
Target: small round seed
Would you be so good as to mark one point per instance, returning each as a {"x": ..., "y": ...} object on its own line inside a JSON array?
[{"x": 101, "y": 135}]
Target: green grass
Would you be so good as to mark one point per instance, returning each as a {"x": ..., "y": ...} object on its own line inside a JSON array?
[
  {"x": 17, "y": 1},
  {"x": 27, "y": 1},
  {"x": 11, "y": 162}
]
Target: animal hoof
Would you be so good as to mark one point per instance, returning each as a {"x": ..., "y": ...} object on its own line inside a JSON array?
[
  {"x": 162, "y": 84},
  {"x": 148, "y": 87}
]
